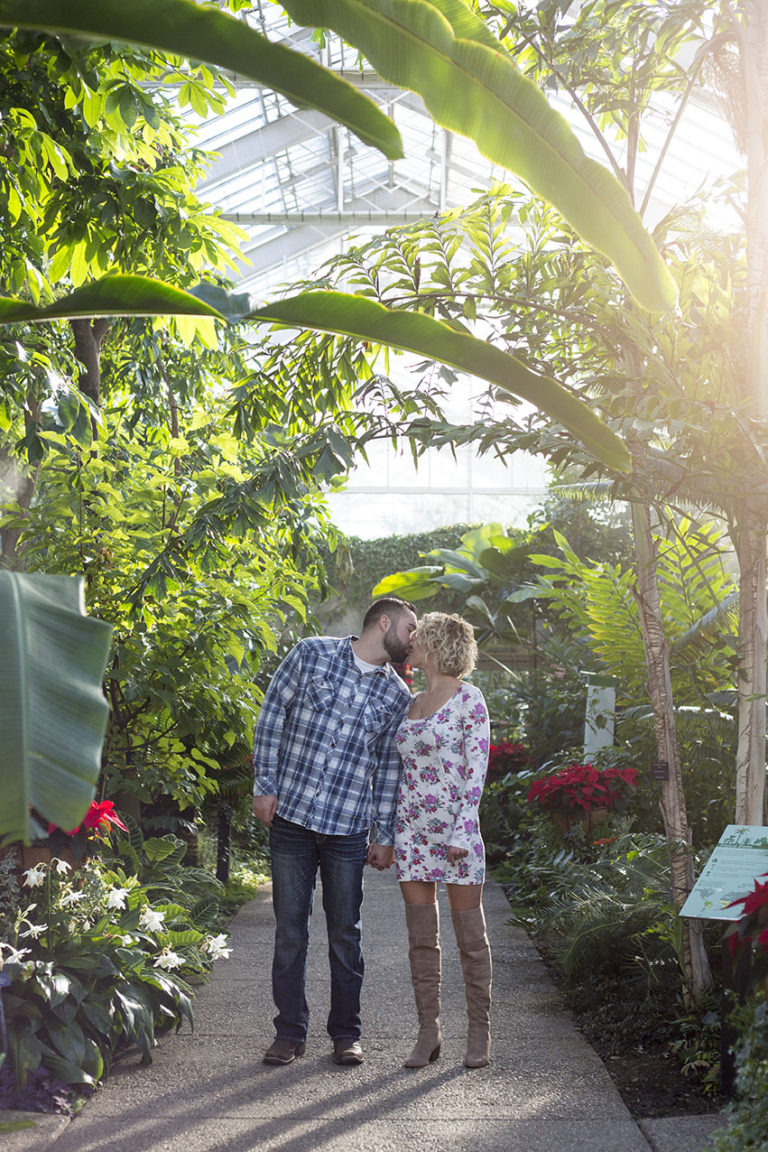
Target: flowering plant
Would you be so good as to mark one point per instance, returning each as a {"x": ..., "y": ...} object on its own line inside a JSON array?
[
  {"x": 750, "y": 931},
  {"x": 101, "y": 957},
  {"x": 99, "y": 819},
  {"x": 507, "y": 757},
  {"x": 580, "y": 788}
]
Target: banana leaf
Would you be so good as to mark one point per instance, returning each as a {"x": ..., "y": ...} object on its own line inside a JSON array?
[
  {"x": 344, "y": 314},
  {"x": 52, "y": 710},
  {"x": 111, "y": 296},
  {"x": 365, "y": 319},
  {"x": 183, "y": 28},
  {"x": 470, "y": 85}
]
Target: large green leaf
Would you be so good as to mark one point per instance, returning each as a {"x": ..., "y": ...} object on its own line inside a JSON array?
[
  {"x": 200, "y": 32},
  {"x": 52, "y": 710},
  {"x": 355, "y": 316},
  {"x": 111, "y": 296},
  {"x": 471, "y": 86}
]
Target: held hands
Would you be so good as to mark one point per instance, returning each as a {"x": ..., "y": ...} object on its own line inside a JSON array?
[
  {"x": 380, "y": 856},
  {"x": 264, "y": 809},
  {"x": 454, "y": 854}
]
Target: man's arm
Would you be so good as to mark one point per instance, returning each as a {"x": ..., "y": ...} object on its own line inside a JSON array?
[
  {"x": 385, "y": 785},
  {"x": 268, "y": 733}
]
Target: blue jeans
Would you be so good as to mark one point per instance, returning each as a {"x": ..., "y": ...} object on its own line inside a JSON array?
[{"x": 297, "y": 853}]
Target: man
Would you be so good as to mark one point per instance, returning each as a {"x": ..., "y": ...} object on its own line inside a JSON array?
[{"x": 326, "y": 772}]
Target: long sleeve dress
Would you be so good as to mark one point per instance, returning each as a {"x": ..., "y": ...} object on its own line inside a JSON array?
[{"x": 445, "y": 759}]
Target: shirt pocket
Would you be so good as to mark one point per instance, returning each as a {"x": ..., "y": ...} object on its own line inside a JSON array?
[
  {"x": 321, "y": 694},
  {"x": 375, "y": 721}
]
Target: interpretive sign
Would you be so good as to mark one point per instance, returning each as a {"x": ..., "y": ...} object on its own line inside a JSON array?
[{"x": 739, "y": 858}]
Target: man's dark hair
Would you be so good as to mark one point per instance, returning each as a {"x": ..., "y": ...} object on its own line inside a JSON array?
[{"x": 386, "y": 606}]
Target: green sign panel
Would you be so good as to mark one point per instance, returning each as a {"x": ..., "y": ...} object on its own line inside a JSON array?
[{"x": 740, "y": 858}]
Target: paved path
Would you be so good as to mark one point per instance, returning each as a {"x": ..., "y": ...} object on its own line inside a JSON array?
[{"x": 546, "y": 1090}]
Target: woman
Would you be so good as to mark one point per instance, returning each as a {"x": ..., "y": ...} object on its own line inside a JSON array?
[{"x": 443, "y": 742}]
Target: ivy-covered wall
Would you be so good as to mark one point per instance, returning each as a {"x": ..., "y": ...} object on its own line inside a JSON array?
[{"x": 357, "y": 566}]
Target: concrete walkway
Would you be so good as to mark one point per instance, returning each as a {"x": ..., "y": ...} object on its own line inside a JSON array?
[{"x": 546, "y": 1090}]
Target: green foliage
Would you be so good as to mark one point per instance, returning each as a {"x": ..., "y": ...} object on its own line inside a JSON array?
[
  {"x": 196, "y": 549},
  {"x": 619, "y": 918},
  {"x": 156, "y": 862},
  {"x": 697, "y": 593},
  {"x": 747, "y": 1129},
  {"x": 470, "y": 85}
]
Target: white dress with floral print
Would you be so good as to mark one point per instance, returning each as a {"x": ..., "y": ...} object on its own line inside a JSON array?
[{"x": 445, "y": 759}]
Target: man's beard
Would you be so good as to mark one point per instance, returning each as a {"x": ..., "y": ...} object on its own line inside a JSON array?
[{"x": 396, "y": 650}]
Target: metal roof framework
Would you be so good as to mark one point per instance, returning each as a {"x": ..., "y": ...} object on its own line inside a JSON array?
[{"x": 300, "y": 185}]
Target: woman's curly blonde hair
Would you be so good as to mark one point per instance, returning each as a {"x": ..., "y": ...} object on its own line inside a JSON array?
[{"x": 451, "y": 640}]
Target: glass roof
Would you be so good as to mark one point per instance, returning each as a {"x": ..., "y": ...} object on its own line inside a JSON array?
[
  {"x": 302, "y": 188},
  {"x": 300, "y": 185}
]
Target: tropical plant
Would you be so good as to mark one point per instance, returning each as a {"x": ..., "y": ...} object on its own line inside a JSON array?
[
  {"x": 52, "y": 660},
  {"x": 98, "y": 960}
]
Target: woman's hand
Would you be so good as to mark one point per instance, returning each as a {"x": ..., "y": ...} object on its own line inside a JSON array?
[{"x": 454, "y": 854}]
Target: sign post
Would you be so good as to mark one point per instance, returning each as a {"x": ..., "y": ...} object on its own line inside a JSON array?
[{"x": 739, "y": 858}]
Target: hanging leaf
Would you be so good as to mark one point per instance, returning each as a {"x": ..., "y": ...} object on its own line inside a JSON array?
[
  {"x": 355, "y": 316},
  {"x": 200, "y": 32},
  {"x": 111, "y": 296},
  {"x": 470, "y": 85},
  {"x": 52, "y": 710}
]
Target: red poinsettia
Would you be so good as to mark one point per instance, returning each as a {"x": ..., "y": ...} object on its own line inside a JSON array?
[
  {"x": 578, "y": 788},
  {"x": 98, "y": 819},
  {"x": 750, "y": 930},
  {"x": 507, "y": 757}
]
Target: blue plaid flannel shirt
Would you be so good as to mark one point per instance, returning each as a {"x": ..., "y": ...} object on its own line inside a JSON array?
[{"x": 324, "y": 740}]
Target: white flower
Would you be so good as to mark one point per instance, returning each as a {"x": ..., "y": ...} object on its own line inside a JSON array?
[
  {"x": 217, "y": 947},
  {"x": 127, "y": 941},
  {"x": 34, "y": 877},
  {"x": 151, "y": 920},
  {"x": 168, "y": 959},
  {"x": 34, "y": 930},
  {"x": 116, "y": 898},
  {"x": 61, "y": 866},
  {"x": 71, "y": 898},
  {"x": 14, "y": 955}
]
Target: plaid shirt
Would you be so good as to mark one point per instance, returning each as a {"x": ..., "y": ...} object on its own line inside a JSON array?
[{"x": 324, "y": 741}]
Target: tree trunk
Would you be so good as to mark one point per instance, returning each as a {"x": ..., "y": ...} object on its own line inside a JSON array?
[
  {"x": 88, "y": 336},
  {"x": 750, "y": 753},
  {"x": 752, "y": 32},
  {"x": 694, "y": 960}
]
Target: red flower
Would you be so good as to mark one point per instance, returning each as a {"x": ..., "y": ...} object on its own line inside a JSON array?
[
  {"x": 754, "y": 900},
  {"x": 98, "y": 819},
  {"x": 584, "y": 786},
  {"x": 507, "y": 757}
]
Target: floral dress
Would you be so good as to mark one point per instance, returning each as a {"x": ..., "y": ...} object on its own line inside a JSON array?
[{"x": 445, "y": 758}]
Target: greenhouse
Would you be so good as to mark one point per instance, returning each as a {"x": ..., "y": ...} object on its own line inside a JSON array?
[{"x": 383, "y": 592}]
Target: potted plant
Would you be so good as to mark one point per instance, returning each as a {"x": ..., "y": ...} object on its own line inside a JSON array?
[{"x": 582, "y": 791}]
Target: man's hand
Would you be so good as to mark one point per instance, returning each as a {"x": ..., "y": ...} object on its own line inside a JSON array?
[
  {"x": 380, "y": 856},
  {"x": 454, "y": 854},
  {"x": 264, "y": 809}
]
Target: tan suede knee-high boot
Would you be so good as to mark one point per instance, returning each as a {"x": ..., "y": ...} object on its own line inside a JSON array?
[
  {"x": 475, "y": 953},
  {"x": 424, "y": 954}
]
